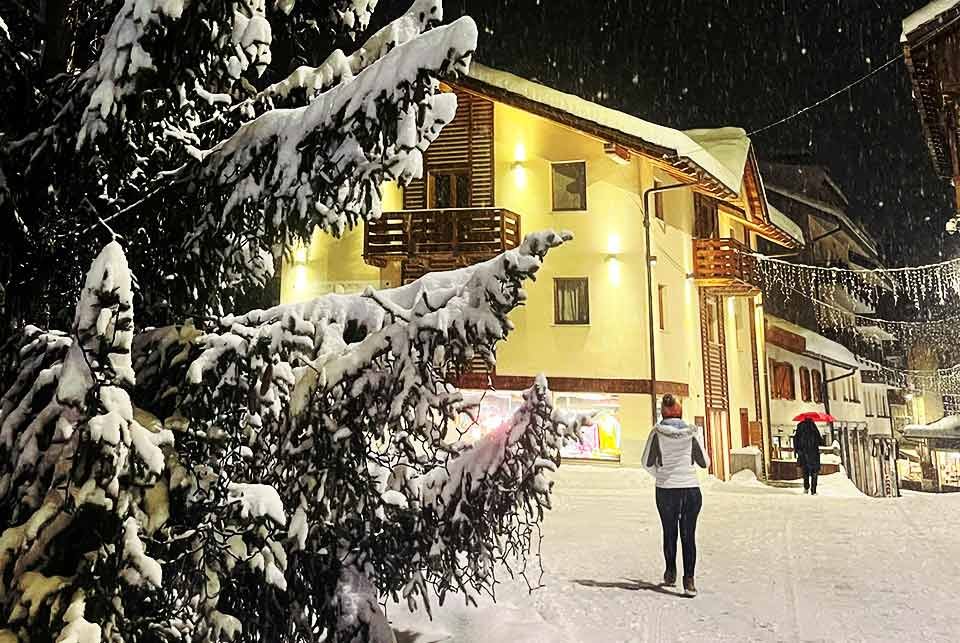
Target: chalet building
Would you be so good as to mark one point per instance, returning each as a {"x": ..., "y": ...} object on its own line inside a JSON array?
[
  {"x": 521, "y": 157},
  {"x": 931, "y": 48},
  {"x": 810, "y": 371}
]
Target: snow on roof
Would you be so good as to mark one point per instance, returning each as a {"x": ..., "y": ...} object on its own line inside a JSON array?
[
  {"x": 785, "y": 223},
  {"x": 820, "y": 345},
  {"x": 946, "y": 427},
  {"x": 929, "y": 13},
  {"x": 729, "y": 145},
  {"x": 875, "y": 333},
  {"x": 682, "y": 144}
]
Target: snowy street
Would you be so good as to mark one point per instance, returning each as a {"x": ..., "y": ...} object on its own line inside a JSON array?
[{"x": 774, "y": 565}]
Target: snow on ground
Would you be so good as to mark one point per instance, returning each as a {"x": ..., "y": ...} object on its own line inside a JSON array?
[{"x": 774, "y": 565}]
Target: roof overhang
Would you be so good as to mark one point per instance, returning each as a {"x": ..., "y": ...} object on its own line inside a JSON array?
[
  {"x": 922, "y": 30},
  {"x": 723, "y": 181}
]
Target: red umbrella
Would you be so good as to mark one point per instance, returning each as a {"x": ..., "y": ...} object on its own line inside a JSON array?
[{"x": 816, "y": 416}]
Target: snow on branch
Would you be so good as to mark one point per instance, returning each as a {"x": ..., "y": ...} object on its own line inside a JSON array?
[{"x": 322, "y": 164}]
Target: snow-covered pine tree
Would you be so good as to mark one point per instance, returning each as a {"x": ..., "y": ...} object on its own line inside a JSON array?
[
  {"x": 274, "y": 479},
  {"x": 209, "y": 135}
]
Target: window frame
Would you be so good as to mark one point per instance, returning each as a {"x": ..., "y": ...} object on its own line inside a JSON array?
[
  {"x": 431, "y": 195},
  {"x": 816, "y": 386},
  {"x": 659, "y": 212},
  {"x": 553, "y": 186},
  {"x": 783, "y": 373},
  {"x": 806, "y": 385},
  {"x": 557, "y": 281}
]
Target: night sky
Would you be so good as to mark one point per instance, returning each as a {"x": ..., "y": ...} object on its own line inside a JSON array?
[{"x": 700, "y": 63}]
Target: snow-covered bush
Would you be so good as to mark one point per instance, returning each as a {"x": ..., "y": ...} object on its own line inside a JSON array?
[
  {"x": 272, "y": 478},
  {"x": 209, "y": 136}
]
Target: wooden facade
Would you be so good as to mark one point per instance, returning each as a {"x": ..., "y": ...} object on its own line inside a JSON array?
[
  {"x": 449, "y": 218},
  {"x": 932, "y": 55},
  {"x": 724, "y": 267}
]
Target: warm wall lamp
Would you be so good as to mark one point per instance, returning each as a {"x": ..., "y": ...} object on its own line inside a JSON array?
[
  {"x": 613, "y": 247},
  {"x": 300, "y": 255},
  {"x": 518, "y": 169}
]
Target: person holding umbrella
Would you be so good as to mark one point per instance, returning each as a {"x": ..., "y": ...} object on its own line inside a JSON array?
[{"x": 806, "y": 444}]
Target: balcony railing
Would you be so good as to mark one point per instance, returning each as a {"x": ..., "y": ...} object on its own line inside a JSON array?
[
  {"x": 461, "y": 235},
  {"x": 724, "y": 266}
]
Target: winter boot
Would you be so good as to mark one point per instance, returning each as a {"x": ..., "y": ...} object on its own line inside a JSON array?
[
  {"x": 689, "y": 589},
  {"x": 670, "y": 578}
]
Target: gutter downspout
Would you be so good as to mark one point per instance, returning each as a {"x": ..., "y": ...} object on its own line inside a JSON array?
[
  {"x": 826, "y": 387},
  {"x": 651, "y": 331}
]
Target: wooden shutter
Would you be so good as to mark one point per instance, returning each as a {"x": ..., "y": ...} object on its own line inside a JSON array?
[
  {"x": 466, "y": 143},
  {"x": 714, "y": 356}
]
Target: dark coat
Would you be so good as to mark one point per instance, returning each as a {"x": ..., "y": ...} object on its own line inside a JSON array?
[{"x": 806, "y": 443}]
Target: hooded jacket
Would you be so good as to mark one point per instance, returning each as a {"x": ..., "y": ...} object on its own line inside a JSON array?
[{"x": 673, "y": 452}]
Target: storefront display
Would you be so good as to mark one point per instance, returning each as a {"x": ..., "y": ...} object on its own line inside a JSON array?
[{"x": 600, "y": 440}]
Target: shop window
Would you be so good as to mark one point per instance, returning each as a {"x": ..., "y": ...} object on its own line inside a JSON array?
[
  {"x": 661, "y": 303},
  {"x": 569, "y": 186},
  {"x": 805, "y": 384},
  {"x": 658, "y": 210},
  {"x": 817, "y": 385},
  {"x": 449, "y": 189},
  {"x": 571, "y": 301},
  {"x": 783, "y": 382}
]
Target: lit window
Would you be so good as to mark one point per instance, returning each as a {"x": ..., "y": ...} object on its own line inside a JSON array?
[
  {"x": 571, "y": 300},
  {"x": 569, "y": 186}
]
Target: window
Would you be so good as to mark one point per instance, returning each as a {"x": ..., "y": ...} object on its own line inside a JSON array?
[
  {"x": 817, "y": 385},
  {"x": 868, "y": 404},
  {"x": 805, "y": 384},
  {"x": 449, "y": 189},
  {"x": 661, "y": 299},
  {"x": 569, "y": 186},
  {"x": 712, "y": 319},
  {"x": 783, "y": 384},
  {"x": 658, "y": 210},
  {"x": 571, "y": 300}
]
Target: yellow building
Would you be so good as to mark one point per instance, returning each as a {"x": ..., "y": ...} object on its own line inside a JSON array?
[{"x": 521, "y": 157}]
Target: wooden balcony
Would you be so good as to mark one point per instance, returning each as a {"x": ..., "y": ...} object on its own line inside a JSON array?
[
  {"x": 724, "y": 267},
  {"x": 440, "y": 239}
]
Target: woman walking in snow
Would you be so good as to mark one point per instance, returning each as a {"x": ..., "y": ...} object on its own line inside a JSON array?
[
  {"x": 806, "y": 443},
  {"x": 671, "y": 455}
]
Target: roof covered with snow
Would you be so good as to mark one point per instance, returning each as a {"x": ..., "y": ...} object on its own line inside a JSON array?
[
  {"x": 818, "y": 345},
  {"x": 785, "y": 223},
  {"x": 673, "y": 141},
  {"x": 926, "y": 14},
  {"x": 728, "y": 145},
  {"x": 946, "y": 427}
]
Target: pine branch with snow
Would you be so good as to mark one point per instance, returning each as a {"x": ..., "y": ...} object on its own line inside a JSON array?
[
  {"x": 208, "y": 151},
  {"x": 281, "y": 475}
]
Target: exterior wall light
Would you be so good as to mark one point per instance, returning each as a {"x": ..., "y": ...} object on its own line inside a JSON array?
[
  {"x": 613, "y": 247},
  {"x": 518, "y": 168},
  {"x": 653, "y": 261},
  {"x": 300, "y": 255}
]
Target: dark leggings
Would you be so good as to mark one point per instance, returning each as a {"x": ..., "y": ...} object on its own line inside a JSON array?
[
  {"x": 810, "y": 478},
  {"x": 679, "y": 509}
]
